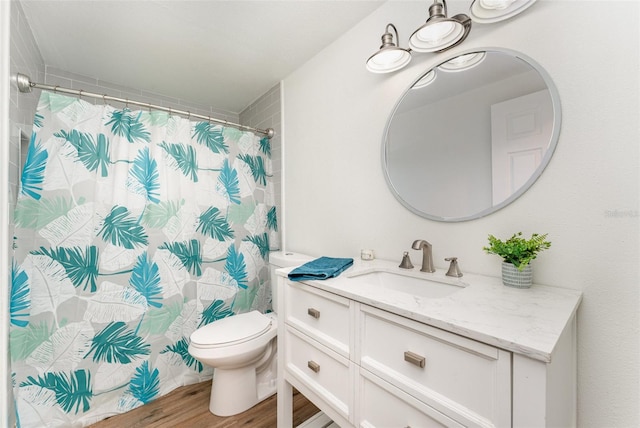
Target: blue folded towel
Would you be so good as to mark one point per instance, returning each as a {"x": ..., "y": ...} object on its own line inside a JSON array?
[{"x": 322, "y": 268}]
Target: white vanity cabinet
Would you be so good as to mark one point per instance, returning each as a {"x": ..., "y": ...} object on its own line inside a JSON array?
[{"x": 372, "y": 365}]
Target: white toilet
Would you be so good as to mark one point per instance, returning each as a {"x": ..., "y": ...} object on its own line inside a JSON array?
[{"x": 242, "y": 351}]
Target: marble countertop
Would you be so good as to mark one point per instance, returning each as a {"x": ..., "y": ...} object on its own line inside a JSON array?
[{"x": 525, "y": 321}]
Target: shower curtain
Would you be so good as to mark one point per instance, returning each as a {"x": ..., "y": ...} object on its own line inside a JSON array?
[{"x": 132, "y": 229}]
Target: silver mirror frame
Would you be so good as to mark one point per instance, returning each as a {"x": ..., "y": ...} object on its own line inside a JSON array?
[{"x": 553, "y": 141}]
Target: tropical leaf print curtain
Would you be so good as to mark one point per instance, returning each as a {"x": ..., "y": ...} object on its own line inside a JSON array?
[{"x": 132, "y": 229}]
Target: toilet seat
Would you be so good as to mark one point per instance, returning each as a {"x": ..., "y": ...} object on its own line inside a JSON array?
[{"x": 231, "y": 330}]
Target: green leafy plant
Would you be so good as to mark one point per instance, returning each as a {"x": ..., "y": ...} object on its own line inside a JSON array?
[{"x": 518, "y": 250}]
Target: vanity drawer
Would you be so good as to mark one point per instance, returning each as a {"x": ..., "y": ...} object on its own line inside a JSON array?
[
  {"x": 453, "y": 374},
  {"x": 399, "y": 409},
  {"x": 326, "y": 373},
  {"x": 323, "y": 316}
]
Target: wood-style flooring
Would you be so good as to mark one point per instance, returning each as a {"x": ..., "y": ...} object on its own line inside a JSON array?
[{"x": 188, "y": 407}]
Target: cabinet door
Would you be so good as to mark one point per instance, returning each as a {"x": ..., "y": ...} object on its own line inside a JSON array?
[{"x": 381, "y": 405}]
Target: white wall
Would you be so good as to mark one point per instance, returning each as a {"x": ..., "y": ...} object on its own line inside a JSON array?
[{"x": 337, "y": 201}]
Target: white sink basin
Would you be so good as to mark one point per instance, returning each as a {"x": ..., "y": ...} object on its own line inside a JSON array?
[{"x": 411, "y": 282}]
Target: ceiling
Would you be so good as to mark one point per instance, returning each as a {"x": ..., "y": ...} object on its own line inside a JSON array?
[{"x": 217, "y": 53}]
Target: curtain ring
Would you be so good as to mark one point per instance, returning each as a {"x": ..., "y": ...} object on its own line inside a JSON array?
[
  {"x": 126, "y": 104},
  {"x": 188, "y": 115},
  {"x": 80, "y": 93},
  {"x": 104, "y": 99},
  {"x": 55, "y": 89},
  {"x": 170, "y": 112}
]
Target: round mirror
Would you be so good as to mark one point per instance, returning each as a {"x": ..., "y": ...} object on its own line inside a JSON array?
[{"x": 471, "y": 135}]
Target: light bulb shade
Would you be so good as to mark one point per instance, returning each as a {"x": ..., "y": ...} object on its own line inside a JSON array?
[
  {"x": 440, "y": 33},
  {"x": 390, "y": 57},
  {"x": 463, "y": 62},
  {"x": 490, "y": 11},
  {"x": 437, "y": 35}
]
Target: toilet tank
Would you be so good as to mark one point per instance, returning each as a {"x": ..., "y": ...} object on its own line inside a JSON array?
[{"x": 280, "y": 259}]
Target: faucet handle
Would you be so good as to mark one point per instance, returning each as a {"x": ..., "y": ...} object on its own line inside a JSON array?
[
  {"x": 454, "y": 270},
  {"x": 406, "y": 261}
]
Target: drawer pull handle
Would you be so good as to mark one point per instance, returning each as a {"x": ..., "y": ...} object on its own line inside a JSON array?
[
  {"x": 315, "y": 367},
  {"x": 314, "y": 313},
  {"x": 414, "y": 359}
]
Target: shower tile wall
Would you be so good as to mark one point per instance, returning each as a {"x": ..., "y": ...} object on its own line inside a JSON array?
[
  {"x": 55, "y": 76},
  {"x": 25, "y": 58},
  {"x": 265, "y": 113}
]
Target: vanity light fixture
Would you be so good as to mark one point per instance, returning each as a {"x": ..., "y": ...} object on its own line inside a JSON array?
[
  {"x": 489, "y": 11},
  {"x": 440, "y": 33},
  {"x": 390, "y": 57},
  {"x": 463, "y": 62},
  {"x": 425, "y": 80}
]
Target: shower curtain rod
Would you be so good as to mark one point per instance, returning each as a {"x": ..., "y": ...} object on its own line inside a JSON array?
[{"x": 25, "y": 84}]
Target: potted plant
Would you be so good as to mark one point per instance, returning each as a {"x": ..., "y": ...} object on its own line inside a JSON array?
[{"x": 517, "y": 252}]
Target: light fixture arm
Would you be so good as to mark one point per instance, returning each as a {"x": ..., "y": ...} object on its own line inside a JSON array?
[
  {"x": 436, "y": 9},
  {"x": 387, "y": 37}
]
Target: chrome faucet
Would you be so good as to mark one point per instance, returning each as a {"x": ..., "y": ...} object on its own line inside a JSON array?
[{"x": 427, "y": 255}]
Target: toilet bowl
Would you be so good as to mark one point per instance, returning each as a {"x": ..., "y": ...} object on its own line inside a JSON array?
[{"x": 242, "y": 351}]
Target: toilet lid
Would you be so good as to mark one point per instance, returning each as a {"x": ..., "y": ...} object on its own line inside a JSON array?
[{"x": 234, "y": 329}]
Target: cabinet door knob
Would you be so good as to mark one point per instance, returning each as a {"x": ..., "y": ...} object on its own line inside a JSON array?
[
  {"x": 315, "y": 367},
  {"x": 314, "y": 313},
  {"x": 414, "y": 359}
]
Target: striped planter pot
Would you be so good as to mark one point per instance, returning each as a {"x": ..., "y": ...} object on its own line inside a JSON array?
[{"x": 512, "y": 277}]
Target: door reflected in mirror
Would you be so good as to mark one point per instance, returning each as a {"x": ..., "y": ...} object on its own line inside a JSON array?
[{"x": 471, "y": 135}]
